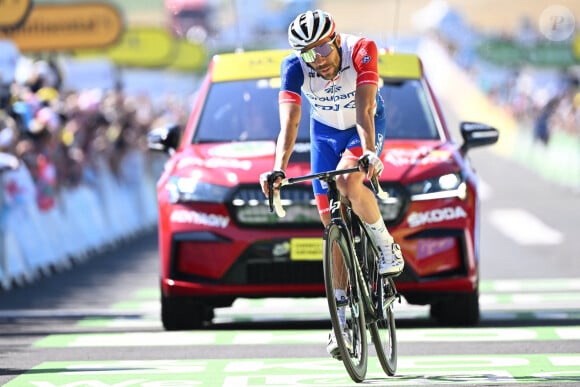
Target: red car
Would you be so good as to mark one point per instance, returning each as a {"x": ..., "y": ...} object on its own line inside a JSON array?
[{"x": 218, "y": 240}]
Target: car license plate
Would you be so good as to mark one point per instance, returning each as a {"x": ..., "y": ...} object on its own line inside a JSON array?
[{"x": 306, "y": 249}]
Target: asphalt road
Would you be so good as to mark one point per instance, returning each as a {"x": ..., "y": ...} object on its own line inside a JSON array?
[{"x": 98, "y": 325}]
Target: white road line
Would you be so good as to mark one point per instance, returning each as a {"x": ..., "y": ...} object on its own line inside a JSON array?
[
  {"x": 530, "y": 285},
  {"x": 524, "y": 228}
]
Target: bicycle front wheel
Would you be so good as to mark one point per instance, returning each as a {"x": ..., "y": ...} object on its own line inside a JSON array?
[
  {"x": 337, "y": 275},
  {"x": 384, "y": 331}
]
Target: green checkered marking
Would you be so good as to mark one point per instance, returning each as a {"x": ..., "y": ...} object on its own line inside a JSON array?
[{"x": 488, "y": 370}]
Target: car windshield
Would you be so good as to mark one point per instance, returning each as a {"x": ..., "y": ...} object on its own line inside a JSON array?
[
  {"x": 244, "y": 111},
  {"x": 248, "y": 111},
  {"x": 409, "y": 114}
]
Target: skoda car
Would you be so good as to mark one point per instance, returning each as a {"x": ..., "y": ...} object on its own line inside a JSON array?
[{"x": 218, "y": 240}]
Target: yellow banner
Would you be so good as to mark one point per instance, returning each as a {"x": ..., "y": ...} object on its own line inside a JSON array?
[
  {"x": 14, "y": 12},
  {"x": 63, "y": 27},
  {"x": 153, "y": 47}
]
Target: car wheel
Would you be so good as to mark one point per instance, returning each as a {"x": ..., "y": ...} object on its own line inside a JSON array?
[
  {"x": 184, "y": 313},
  {"x": 457, "y": 309}
]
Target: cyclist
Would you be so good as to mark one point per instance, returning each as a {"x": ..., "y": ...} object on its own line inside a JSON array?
[{"x": 338, "y": 74}]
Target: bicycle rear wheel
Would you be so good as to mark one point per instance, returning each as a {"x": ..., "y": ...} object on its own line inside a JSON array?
[
  {"x": 384, "y": 331},
  {"x": 337, "y": 275}
]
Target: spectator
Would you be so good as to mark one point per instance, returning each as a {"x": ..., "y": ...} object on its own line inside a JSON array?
[{"x": 542, "y": 124}]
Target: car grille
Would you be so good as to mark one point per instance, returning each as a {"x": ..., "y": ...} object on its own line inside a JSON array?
[
  {"x": 250, "y": 208},
  {"x": 260, "y": 265},
  {"x": 285, "y": 273}
]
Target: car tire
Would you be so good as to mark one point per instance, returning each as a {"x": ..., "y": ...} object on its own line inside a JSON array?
[
  {"x": 184, "y": 313},
  {"x": 460, "y": 309}
]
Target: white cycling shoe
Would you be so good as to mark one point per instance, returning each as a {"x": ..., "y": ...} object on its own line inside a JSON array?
[
  {"x": 332, "y": 347},
  {"x": 391, "y": 262}
]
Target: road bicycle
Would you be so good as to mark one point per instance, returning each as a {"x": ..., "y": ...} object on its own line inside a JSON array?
[{"x": 350, "y": 262}]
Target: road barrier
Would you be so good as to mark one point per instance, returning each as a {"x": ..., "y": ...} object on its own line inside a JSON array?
[{"x": 85, "y": 220}]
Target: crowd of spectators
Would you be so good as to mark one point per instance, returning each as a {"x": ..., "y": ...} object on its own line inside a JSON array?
[
  {"x": 543, "y": 96},
  {"x": 542, "y": 101},
  {"x": 65, "y": 138}
]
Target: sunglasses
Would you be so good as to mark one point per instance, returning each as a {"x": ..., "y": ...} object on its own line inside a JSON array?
[{"x": 323, "y": 50}]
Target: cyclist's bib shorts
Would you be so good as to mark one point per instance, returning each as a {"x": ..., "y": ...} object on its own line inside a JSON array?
[{"x": 328, "y": 145}]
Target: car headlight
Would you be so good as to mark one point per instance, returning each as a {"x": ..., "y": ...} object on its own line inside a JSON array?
[
  {"x": 444, "y": 186},
  {"x": 190, "y": 189}
]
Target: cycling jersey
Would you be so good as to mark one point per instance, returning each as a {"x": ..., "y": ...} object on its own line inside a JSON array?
[
  {"x": 333, "y": 113},
  {"x": 332, "y": 101}
]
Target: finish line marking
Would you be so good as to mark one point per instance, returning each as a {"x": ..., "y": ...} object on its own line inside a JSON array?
[
  {"x": 267, "y": 337},
  {"x": 412, "y": 370}
]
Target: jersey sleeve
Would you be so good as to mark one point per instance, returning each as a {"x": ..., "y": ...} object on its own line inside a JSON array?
[
  {"x": 365, "y": 62},
  {"x": 292, "y": 78}
]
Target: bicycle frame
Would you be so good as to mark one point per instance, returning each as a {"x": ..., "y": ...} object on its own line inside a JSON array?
[
  {"x": 360, "y": 232},
  {"x": 354, "y": 269},
  {"x": 337, "y": 217},
  {"x": 355, "y": 241}
]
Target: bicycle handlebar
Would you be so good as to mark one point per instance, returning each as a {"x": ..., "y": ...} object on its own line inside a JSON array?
[{"x": 275, "y": 201}]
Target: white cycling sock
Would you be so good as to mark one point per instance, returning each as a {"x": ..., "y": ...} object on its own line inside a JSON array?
[
  {"x": 382, "y": 236},
  {"x": 340, "y": 294}
]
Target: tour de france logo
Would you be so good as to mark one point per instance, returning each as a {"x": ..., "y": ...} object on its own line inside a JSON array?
[{"x": 557, "y": 23}]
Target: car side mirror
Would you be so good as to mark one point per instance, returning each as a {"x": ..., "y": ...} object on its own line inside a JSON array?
[
  {"x": 475, "y": 134},
  {"x": 164, "y": 138}
]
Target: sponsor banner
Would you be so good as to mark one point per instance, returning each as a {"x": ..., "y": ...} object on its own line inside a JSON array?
[
  {"x": 143, "y": 47},
  {"x": 514, "y": 54},
  {"x": 152, "y": 47},
  {"x": 189, "y": 56},
  {"x": 62, "y": 27},
  {"x": 14, "y": 13}
]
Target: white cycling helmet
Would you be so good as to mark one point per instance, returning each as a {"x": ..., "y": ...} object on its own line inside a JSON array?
[{"x": 310, "y": 27}]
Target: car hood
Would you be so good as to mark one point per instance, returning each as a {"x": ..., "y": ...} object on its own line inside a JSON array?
[
  {"x": 242, "y": 162},
  {"x": 412, "y": 160},
  {"x": 235, "y": 163}
]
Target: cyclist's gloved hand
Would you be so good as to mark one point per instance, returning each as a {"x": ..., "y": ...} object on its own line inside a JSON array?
[
  {"x": 375, "y": 162},
  {"x": 270, "y": 178}
]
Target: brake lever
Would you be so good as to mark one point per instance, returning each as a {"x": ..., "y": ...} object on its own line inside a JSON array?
[
  {"x": 271, "y": 194},
  {"x": 378, "y": 189},
  {"x": 364, "y": 162}
]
